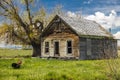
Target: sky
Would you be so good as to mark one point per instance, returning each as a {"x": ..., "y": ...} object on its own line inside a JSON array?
[{"x": 104, "y": 12}]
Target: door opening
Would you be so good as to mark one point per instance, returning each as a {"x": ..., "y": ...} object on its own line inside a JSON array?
[{"x": 56, "y": 48}]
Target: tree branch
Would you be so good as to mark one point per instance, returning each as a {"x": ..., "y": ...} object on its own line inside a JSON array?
[
  {"x": 28, "y": 11},
  {"x": 12, "y": 13},
  {"x": 20, "y": 38},
  {"x": 5, "y": 8}
]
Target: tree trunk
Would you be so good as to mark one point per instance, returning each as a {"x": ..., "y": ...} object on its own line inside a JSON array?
[{"x": 36, "y": 50}]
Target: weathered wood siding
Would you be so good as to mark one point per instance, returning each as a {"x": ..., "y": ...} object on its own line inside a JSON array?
[
  {"x": 110, "y": 48},
  {"x": 62, "y": 34},
  {"x": 83, "y": 48},
  {"x": 59, "y": 32},
  {"x": 100, "y": 48}
]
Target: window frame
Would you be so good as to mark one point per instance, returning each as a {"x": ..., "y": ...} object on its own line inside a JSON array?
[
  {"x": 69, "y": 47},
  {"x": 46, "y": 49}
]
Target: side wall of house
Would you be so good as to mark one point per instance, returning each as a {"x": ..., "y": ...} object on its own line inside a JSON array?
[{"x": 97, "y": 48}]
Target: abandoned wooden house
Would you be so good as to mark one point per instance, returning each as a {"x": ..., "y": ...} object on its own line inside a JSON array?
[{"x": 67, "y": 37}]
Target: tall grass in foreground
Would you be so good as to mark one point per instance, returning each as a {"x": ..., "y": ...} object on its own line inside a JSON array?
[
  {"x": 42, "y": 69},
  {"x": 38, "y": 69}
]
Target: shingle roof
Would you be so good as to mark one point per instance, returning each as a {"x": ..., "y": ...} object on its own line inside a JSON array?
[{"x": 85, "y": 27}]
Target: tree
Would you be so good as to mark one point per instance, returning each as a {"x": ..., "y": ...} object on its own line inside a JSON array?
[{"x": 21, "y": 19}]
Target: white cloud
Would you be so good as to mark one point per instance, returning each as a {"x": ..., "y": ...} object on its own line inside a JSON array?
[
  {"x": 117, "y": 35},
  {"x": 110, "y": 21},
  {"x": 107, "y": 21},
  {"x": 117, "y": 21},
  {"x": 87, "y": 2},
  {"x": 71, "y": 14},
  {"x": 118, "y": 42}
]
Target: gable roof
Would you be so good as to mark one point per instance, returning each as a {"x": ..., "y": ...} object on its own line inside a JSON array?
[{"x": 83, "y": 27}]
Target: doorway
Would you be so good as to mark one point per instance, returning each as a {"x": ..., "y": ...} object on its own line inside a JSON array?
[{"x": 56, "y": 48}]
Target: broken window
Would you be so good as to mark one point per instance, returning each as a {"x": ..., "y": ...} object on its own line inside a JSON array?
[
  {"x": 46, "y": 47},
  {"x": 69, "y": 47}
]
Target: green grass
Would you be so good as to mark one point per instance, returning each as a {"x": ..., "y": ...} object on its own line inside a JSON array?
[
  {"x": 42, "y": 69},
  {"x": 12, "y": 53}
]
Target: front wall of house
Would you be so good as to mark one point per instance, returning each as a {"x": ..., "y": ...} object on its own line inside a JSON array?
[{"x": 62, "y": 37}]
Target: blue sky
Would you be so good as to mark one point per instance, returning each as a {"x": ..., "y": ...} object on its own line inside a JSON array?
[
  {"x": 87, "y": 6},
  {"x": 105, "y": 12},
  {"x": 90, "y": 9},
  {"x": 108, "y": 10}
]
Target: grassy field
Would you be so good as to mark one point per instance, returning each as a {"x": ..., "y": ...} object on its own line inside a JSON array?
[
  {"x": 42, "y": 69},
  {"x": 12, "y": 53}
]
